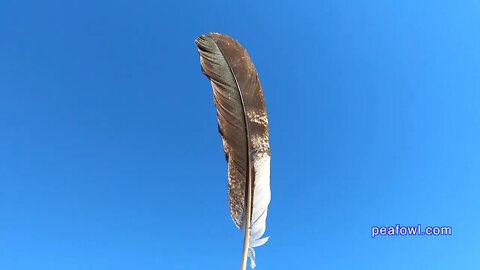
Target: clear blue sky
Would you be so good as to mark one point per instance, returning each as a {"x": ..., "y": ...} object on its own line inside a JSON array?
[{"x": 110, "y": 156}]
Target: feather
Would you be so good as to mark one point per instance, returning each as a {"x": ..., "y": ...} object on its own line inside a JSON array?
[{"x": 243, "y": 125}]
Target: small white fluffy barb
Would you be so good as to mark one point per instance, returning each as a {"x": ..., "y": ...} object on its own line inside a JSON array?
[{"x": 261, "y": 199}]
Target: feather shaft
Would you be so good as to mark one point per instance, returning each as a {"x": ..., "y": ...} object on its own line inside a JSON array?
[{"x": 246, "y": 239}]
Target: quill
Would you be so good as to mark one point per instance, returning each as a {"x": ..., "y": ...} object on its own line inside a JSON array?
[{"x": 243, "y": 126}]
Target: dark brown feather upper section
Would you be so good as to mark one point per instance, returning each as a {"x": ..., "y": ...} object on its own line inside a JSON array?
[{"x": 241, "y": 111}]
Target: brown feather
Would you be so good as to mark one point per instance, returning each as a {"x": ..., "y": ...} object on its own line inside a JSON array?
[{"x": 241, "y": 112}]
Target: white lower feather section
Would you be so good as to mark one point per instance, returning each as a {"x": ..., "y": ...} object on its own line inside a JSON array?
[{"x": 261, "y": 199}]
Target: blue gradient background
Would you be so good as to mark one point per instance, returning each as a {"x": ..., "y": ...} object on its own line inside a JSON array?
[{"x": 110, "y": 156}]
